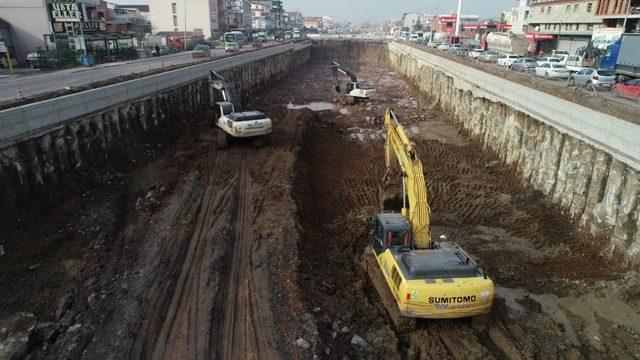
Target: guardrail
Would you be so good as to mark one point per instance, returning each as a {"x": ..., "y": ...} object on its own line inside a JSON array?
[
  {"x": 613, "y": 135},
  {"x": 30, "y": 120}
]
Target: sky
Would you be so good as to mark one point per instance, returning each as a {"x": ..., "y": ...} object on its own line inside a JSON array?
[{"x": 377, "y": 11}]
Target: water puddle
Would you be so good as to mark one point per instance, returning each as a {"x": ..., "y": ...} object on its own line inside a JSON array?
[
  {"x": 314, "y": 106},
  {"x": 587, "y": 307}
]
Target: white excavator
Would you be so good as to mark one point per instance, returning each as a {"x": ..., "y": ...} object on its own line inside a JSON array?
[
  {"x": 355, "y": 91},
  {"x": 231, "y": 121}
]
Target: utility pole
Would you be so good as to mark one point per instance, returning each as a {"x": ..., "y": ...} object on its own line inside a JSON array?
[
  {"x": 458, "y": 17},
  {"x": 184, "y": 39},
  {"x": 626, "y": 16},
  {"x": 84, "y": 43}
]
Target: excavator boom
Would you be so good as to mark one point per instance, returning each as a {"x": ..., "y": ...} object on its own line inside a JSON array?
[
  {"x": 399, "y": 146},
  {"x": 227, "y": 90}
]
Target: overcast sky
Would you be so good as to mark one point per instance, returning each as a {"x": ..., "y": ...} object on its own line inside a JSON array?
[{"x": 381, "y": 10}]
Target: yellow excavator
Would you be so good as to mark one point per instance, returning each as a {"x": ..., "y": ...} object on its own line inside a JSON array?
[{"x": 415, "y": 276}]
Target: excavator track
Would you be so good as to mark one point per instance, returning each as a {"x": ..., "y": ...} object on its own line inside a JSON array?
[{"x": 401, "y": 323}]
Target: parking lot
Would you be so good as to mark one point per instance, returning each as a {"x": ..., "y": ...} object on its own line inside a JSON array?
[{"x": 600, "y": 98}]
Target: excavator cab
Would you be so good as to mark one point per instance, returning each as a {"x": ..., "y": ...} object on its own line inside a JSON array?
[{"x": 391, "y": 231}]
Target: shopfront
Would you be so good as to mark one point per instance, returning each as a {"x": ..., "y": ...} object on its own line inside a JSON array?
[{"x": 540, "y": 44}]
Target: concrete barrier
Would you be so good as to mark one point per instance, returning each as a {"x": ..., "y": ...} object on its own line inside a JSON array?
[
  {"x": 19, "y": 123},
  {"x": 613, "y": 135}
]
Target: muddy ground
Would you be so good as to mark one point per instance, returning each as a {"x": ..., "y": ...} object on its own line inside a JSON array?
[{"x": 174, "y": 249}]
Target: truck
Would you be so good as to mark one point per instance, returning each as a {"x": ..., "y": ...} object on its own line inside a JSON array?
[
  {"x": 574, "y": 63},
  {"x": 505, "y": 43},
  {"x": 623, "y": 56}
]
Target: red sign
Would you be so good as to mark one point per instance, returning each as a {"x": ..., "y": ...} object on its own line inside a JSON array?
[{"x": 540, "y": 36}]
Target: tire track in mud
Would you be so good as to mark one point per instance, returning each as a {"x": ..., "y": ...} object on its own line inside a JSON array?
[
  {"x": 183, "y": 332},
  {"x": 240, "y": 321}
]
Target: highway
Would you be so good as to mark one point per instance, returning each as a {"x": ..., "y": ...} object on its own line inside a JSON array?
[{"x": 45, "y": 82}]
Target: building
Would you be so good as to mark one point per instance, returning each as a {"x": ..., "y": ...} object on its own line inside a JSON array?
[
  {"x": 312, "y": 22},
  {"x": 520, "y": 16},
  {"x": 25, "y": 27},
  {"x": 91, "y": 26},
  {"x": 327, "y": 22},
  {"x": 261, "y": 19},
  {"x": 612, "y": 13},
  {"x": 415, "y": 21},
  {"x": 277, "y": 14},
  {"x": 142, "y": 10},
  {"x": 447, "y": 23},
  {"x": 169, "y": 16},
  {"x": 294, "y": 19},
  {"x": 562, "y": 25}
]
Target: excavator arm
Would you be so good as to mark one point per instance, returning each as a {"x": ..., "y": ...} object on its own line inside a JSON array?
[
  {"x": 227, "y": 91},
  {"x": 399, "y": 146},
  {"x": 335, "y": 68}
]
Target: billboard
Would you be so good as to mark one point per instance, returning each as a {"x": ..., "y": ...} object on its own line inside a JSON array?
[
  {"x": 65, "y": 11},
  {"x": 603, "y": 37}
]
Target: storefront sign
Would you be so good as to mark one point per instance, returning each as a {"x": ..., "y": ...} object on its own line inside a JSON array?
[
  {"x": 65, "y": 11},
  {"x": 73, "y": 28},
  {"x": 94, "y": 26}
]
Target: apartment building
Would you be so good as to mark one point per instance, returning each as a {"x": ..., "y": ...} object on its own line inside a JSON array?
[
  {"x": 168, "y": 16},
  {"x": 624, "y": 14},
  {"x": 520, "y": 16},
  {"x": 565, "y": 25}
]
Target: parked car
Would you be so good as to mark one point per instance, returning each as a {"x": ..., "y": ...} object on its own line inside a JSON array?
[
  {"x": 232, "y": 48},
  {"x": 552, "y": 71},
  {"x": 475, "y": 53},
  {"x": 524, "y": 64},
  {"x": 548, "y": 59},
  {"x": 443, "y": 47},
  {"x": 488, "y": 56},
  {"x": 454, "y": 48},
  {"x": 598, "y": 78},
  {"x": 462, "y": 52},
  {"x": 629, "y": 89},
  {"x": 201, "y": 51},
  {"x": 507, "y": 59},
  {"x": 40, "y": 60},
  {"x": 432, "y": 44}
]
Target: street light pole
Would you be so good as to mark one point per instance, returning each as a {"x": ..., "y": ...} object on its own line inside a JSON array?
[
  {"x": 184, "y": 38},
  {"x": 458, "y": 17},
  {"x": 626, "y": 16}
]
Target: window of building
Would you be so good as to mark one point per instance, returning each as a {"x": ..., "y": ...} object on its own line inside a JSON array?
[
  {"x": 526, "y": 15},
  {"x": 549, "y": 10},
  {"x": 575, "y": 7},
  {"x": 174, "y": 8},
  {"x": 568, "y": 8},
  {"x": 541, "y": 10},
  {"x": 589, "y": 7},
  {"x": 175, "y": 20}
]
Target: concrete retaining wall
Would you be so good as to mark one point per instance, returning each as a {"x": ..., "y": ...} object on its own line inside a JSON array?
[
  {"x": 585, "y": 161},
  {"x": 40, "y": 140}
]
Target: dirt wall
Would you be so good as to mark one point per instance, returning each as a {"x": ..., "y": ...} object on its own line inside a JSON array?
[
  {"x": 36, "y": 163},
  {"x": 597, "y": 191},
  {"x": 345, "y": 50}
]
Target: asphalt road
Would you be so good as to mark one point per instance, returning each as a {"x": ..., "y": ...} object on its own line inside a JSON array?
[{"x": 57, "y": 80}]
